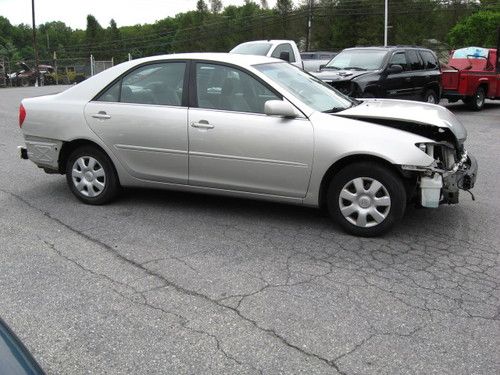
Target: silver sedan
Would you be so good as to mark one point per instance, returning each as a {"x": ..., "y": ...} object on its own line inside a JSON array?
[{"x": 248, "y": 126}]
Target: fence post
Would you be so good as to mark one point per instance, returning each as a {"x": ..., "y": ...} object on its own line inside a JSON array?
[
  {"x": 55, "y": 67},
  {"x": 129, "y": 57},
  {"x": 112, "y": 61},
  {"x": 91, "y": 65}
]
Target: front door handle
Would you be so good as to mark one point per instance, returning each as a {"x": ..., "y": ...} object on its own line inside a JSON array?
[
  {"x": 101, "y": 115},
  {"x": 408, "y": 79},
  {"x": 202, "y": 124}
]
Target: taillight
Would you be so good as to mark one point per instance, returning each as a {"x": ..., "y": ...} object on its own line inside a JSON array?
[{"x": 22, "y": 115}]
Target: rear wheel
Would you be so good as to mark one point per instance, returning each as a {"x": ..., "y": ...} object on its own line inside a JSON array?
[
  {"x": 476, "y": 102},
  {"x": 91, "y": 176},
  {"x": 430, "y": 96},
  {"x": 366, "y": 199}
]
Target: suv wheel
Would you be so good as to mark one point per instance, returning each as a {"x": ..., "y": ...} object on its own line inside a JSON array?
[
  {"x": 430, "y": 96},
  {"x": 476, "y": 102},
  {"x": 91, "y": 176},
  {"x": 366, "y": 199}
]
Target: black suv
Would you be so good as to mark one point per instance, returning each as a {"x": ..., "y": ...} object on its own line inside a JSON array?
[{"x": 385, "y": 72}]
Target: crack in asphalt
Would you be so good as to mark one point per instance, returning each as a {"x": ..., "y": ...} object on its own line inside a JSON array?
[
  {"x": 167, "y": 282},
  {"x": 391, "y": 266}
]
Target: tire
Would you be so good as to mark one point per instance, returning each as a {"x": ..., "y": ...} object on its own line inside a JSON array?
[
  {"x": 91, "y": 176},
  {"x": 354, "y": 183},
  {"x": 476, "y": 102},
  {"x": 430, "y": 96}
]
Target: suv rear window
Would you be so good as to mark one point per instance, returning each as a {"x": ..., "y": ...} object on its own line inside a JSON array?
[{"x": 430, "y": 61}]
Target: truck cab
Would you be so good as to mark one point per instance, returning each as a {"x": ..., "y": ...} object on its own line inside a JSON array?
[
  {"x": 281, "y": 49},
  {"x": 472, "y": 75}
]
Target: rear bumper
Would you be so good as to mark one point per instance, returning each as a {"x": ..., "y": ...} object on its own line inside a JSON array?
[{"x": 41, "y": 151}]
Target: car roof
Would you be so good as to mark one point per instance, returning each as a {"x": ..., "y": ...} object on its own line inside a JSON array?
[
  {"x": 273, "y": 41},
  {"x": 224, "y": 57},
  {"x": 387, "y": 48}
]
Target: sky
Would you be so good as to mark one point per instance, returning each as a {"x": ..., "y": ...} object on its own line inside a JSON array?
[{"x": 124, "y": 12}]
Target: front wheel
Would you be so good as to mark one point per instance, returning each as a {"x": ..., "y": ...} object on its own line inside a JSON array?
[
  {"x": 91, "y": 176},
  {"x": 366, "y": 199}
]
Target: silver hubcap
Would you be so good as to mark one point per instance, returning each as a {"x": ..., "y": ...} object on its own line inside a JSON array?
[
  {"x": 88, "y": 176},
  {"x": 479, "y": 98},
  {"x": 364, "y": 202}
]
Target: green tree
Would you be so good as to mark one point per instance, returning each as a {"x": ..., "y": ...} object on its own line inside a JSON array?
[
  {"x": 216, "y": 6},
  {"x": 283, "y": 9},
  {"x": 93, "y": 34},
  {"x": 479, "y": 29}
]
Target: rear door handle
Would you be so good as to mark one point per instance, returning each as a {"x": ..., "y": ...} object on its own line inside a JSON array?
[
  {"x": 408, "y": 79},
  {"x": 101, "y": 115},
  {"x": 202, "y": 124}
]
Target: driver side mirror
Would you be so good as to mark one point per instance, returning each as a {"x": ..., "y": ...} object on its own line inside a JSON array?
[
  {"x": 322, "y": 66},
  {"x": 280, "y": 108},
  {"x": 396, "y": 68},
  {"x": 285, "y": 56}
]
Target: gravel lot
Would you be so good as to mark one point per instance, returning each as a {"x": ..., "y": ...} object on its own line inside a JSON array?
[{"x": 171, "y": 283}]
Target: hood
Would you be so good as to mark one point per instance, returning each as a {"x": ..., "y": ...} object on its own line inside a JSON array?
[
  {"x": 339, "y": 75},
  {"x": 24, "y": 66},
  {"x": 430, "y": 120}
]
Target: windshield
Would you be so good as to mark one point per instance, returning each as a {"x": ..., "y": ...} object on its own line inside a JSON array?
[
  {"x": 471, "y": 52},
  {"x": 305, "y": 87},
  {"x": 252, "y": 49},
  {"x": 361, "y": 59}
]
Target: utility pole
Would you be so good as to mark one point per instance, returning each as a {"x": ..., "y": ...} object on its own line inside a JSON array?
[
  {"x": 309, "y": 25},
  {"x": 37, "y": 73},
  {"x": 386, "y": 16}
]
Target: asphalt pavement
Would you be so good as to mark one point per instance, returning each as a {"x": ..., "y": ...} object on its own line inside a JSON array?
[{"x": 161, "y": 282}]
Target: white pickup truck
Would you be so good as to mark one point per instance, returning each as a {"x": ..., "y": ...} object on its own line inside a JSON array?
[{"x": 281, "y": 49}]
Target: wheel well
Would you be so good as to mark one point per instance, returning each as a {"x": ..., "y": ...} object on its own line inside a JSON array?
[
  {"x": 433, "y": 87},
  {"x": 340, "y": 164},
  {"x": 485, "y": 86},
  {"x": 68, "y": 147}
]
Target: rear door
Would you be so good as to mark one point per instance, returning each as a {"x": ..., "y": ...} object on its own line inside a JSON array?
[
  {"x": 399, "y": 85},
  {"x": 142, "y": 118},
  {"x": 420, "y": 79}
]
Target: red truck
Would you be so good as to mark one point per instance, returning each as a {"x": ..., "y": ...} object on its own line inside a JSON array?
[{"x": 472, "y": 74}]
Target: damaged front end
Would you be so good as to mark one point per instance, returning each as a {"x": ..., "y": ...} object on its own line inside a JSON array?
[{"x": 452, "y": 170}]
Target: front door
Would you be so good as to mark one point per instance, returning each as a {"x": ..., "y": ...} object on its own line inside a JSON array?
[
  {"x": 142, "y": 119},
  {"x": 233, "y": 145}
]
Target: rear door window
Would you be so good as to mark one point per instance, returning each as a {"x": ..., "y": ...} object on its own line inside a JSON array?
[
  {"x": 414, "y": 60},
  {"x": 156, "y": 84}
]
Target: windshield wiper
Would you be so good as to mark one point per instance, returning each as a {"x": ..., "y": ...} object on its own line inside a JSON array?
[
  {"x": 340, "y": 109},
  {"x": 331, "y": 67},
  {"x": 353, "y": 68},
  {"x": 336, "y": 109}
]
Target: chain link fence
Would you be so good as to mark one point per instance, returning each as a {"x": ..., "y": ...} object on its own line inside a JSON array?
[{"x": 59, "y": 71}]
